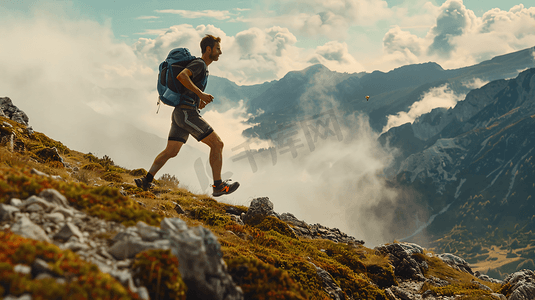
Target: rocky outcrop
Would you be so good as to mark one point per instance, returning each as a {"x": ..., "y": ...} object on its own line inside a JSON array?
[
  {"x": 12, "y": 112},
  {"x": 406, "y": 264},
  {"x": 522, "y": 285},
  {"x": 48, "y": 217},
  {"x": 258, "y": 210}
]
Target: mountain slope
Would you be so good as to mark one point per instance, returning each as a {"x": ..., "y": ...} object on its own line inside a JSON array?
[
  {"x": 67, "y": 233},
  {"x": 473, "y": 166}
]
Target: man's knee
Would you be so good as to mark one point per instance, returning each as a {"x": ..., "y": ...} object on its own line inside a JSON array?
[
  {"x": 173, "y": 147},
  {"x": 213, "y": 141}
]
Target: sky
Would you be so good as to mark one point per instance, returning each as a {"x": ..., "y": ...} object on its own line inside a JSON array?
[{"x": 85, "y": 72}]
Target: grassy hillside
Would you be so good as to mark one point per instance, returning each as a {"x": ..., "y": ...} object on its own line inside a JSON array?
[{"x": 266, "y": 259}]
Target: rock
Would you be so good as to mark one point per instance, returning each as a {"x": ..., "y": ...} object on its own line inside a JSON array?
[
  {"x": 128, "y": 248},
  {"x": 15, "y": 202},
  {"x": 201, "y": 264},
  {"x": 258, "y": 210},
  {"x": 49, "y": 154},
  {"x": 11, "y": 111},
  {"x": 331, "y": 288},
  {"x": 143, "y": 293},
  {"x": 523, "y": 285},
  {"x": 55, "y": 217},
  {"x": 53, "y": 196},
  {"x": 67, "y": 231},
  {"x": 405, "y": 265},
  {"x": 179, "y": 210},
  {"x": 66, "y": 212},
  {"x": 34, "y": 208},
  {"x": 401, "y": 293},
  {"x": 291, "y": 219},
  {"x": 26, "y": 228},
  {"x": 481, "y": 286},
  {"x": 148, "y": 233},
  {"x": 23, "y": 297},
  {"x": 40, "y": 266},
  {"x": 498, "y": 296},
  {"x": 37, "y": 172},
  {"x": 456, "y": 262},
  {"x": 7, "y": 212},
  {"x": 47, "y": 206},
  {"x": 487, "y": 278},
  {"x": 22, "y": 269}
]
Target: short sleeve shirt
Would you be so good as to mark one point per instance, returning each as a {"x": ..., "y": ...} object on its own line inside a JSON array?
[{"x": 198, "y": 68}]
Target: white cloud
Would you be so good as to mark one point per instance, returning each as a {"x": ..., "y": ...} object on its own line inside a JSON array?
[
  {"x": 335, "y": 56},
  {"x": 251, "y": 56},
  {"x": 65, "y": 73},
  {"x": 190, "y": 14},
  {"x": 440, "y": 96},
  {"x": 147, "y": 17},
  {"x": 317, "y": 17},
  {"x": 458, "y": 38},
  {"x": 475, "y": 83}
]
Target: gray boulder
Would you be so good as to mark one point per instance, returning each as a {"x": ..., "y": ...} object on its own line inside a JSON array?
[
  {"x": 405, "y": 265},
  {"x": 523, "y": 285},
  {"x": 456, "y": 262},
  {"x": 259, "y": 209},
  {"x": 329, "y": 285},
  {"x": 53, "y": 196},
  {"x": 7, "y": 212},
  {"x": 26, "y": 228},
  {"x": 200, "y": 261},
  {"x": 129, "y": 248},
  {"x": 11, "y": 111},
  {"x": 67, "y": 231}
]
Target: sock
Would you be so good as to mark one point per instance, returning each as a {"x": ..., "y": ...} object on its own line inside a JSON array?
[
  {"x": 217, "y": 182},
  {"x": 149, "y": 177}
]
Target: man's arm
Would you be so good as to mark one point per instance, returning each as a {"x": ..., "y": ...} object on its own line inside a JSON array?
[{"x": 185, "y": 78}]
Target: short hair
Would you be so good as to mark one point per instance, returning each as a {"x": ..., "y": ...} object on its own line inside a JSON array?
[{"x": 209, "y": 41}]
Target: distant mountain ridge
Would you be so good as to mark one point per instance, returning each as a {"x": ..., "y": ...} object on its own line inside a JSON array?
[
  {"x": 474, "y": 164},
  {"x": 308, "y": 91}
]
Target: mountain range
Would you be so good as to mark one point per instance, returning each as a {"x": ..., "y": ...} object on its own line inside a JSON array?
[{"x": 467, "y": 170}]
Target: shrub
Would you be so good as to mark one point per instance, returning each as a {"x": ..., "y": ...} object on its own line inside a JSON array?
[
  {"x": 158, "y": 271},
  {"x": 261, "y": 281},
  {"x": 138, "y": 172},
  {"x": 102, "y": 201},
  {"x": 112, "y": 177},
  {"x": 273, "y": 223},
  {"x": 209, "y": 217},
  {"x": 168, "y": 181},
  {"x": 84, "y": 280},
  {"x": 93, "y": 167}
]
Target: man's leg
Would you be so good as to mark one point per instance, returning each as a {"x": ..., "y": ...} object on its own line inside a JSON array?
[
  {"x": 216, "y": 154},
  {"x": 216, "y": 162},
  {"x": 170, "y": 151}
]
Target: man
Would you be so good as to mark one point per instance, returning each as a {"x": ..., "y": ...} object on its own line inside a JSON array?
[{"x": 186, "y": 120}]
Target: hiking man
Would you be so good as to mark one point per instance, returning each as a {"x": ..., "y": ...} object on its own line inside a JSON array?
[{"x": 187, "y": 120}]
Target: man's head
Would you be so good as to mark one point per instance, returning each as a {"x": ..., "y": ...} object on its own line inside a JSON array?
[{"x": 211, "y": 45}]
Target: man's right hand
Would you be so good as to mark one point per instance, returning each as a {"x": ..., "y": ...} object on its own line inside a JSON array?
[{"x": 205, "y": 99}]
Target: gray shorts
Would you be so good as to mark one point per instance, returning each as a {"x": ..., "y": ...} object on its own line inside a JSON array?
[{"x": 188, "y": 121}]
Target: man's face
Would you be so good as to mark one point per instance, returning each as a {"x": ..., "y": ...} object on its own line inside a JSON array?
[{"x": 216, "y": 51}]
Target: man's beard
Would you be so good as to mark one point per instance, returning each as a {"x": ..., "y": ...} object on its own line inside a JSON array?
[{"x": 214, "y": 56}]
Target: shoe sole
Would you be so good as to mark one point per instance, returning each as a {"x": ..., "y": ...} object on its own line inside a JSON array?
[{"x": 233, "y": 188}]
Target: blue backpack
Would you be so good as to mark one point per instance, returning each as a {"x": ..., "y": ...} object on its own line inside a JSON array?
[{"x": 169, "y": 88}]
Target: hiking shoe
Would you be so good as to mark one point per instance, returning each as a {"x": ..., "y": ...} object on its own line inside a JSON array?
[
  {"x": 225, "y": 188},
  {"x": 143, "y": 183}
]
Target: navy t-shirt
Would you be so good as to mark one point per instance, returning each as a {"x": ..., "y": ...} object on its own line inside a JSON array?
[{"x": 199, "y": 78}]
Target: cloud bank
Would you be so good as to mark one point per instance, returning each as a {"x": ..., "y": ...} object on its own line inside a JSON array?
[
  {"x": 441, "y": 96},
  {"x": 459, "y": 38}
]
